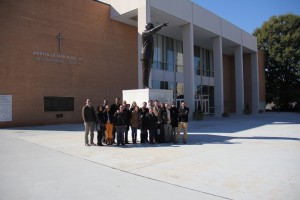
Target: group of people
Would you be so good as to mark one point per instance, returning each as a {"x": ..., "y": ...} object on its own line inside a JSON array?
[{"x": 158, "y": 122}]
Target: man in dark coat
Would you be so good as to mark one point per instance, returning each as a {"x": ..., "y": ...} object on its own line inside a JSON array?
[
  {"x": 174, "y": 121},
  {"x": 151, "y": 121},
  {"x": 120, "y": 124},
  {"x": 89, "y": 118},
  {"x": 113, "y": 109},
  {"x": 147, "y": 51}
]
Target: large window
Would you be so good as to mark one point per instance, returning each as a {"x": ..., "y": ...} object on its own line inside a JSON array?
[
  {"x": 203, "y": 62},
  {"x": 178, "y": 50},
  {"x": 165, "y": 85},
  {"x": 168, "y": 57},
  {"x": 58, "y": 104},
  {"x": 180, "y": 90},
  {"x": 206, "y": 63},
  {"x": 197, "y": 60},
  {"x": 163, "y": 53}
]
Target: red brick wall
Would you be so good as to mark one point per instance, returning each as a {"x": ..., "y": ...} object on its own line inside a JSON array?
[
  {"x": 229, "y": 81},
  {"x": 108, "y": 50},
  {"x": 262, "y": 78},
  {"x": 229, "y": 84}
]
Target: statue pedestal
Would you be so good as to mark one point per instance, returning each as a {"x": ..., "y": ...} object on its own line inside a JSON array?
[{"x": 144, "y": 95}]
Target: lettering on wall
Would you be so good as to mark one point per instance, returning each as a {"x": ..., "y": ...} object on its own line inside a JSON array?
[{"x": 57, "y": 57}]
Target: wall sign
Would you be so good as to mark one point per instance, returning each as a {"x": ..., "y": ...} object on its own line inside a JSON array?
[
  {"x": 5, "y": 108},
  {"x": 59, "y": 57}
]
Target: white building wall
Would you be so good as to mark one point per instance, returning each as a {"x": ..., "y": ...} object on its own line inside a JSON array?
[
  {"x": 218, "y": 64},
  {"x": 195, "y": 15},
  {"x": 120, "y": 7},
  {"x": 188, "y": 63},
  {"x": 239, "y": 79},
  {"x": 191, "y": 13},
  {"x": 169, "y": 7},
  {"x": 249, "y": 41},
  {"x": 231, "y": 32},
  {"x": 206, "y": 19}
]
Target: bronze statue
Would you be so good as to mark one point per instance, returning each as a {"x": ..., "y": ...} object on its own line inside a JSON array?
[{"x": 147, "y": 51}]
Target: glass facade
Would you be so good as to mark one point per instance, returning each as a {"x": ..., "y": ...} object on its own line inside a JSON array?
[
  {"x": 165, "y": 85},
  {"x": 178, "y": 50},
  {"x": 168, "y": 66},
  {"x": 163, "y": 54},
  {"x": 204, "y": 73}
]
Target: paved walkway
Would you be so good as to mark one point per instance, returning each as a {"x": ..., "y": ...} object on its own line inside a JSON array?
[{"x": 239, "y": 157}]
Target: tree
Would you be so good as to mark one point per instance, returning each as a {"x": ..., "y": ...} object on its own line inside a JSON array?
[{"x": 279, "y": 39}]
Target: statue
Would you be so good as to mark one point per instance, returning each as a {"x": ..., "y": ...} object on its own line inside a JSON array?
[{"x": 147, "y": 51}]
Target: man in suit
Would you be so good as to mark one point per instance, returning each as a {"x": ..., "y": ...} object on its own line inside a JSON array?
[{"x": 147, "y": 50}]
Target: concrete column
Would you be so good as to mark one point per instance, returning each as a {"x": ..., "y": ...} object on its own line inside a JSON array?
[
  {"x": 255, "y": 82},
  {"x": 239, "y": 79},
  {"x": 218, "y": 79},
  {"x": 144, "y": 17},
  {"x": 188, "y": 63}
]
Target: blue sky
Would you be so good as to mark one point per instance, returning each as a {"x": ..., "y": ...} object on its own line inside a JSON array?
[{"x": 250, "y": 14}]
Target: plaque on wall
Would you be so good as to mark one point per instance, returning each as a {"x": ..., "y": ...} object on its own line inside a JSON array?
[{"x": 5, "y": 108}]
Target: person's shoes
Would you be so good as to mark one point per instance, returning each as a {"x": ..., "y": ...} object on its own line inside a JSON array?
[
  {"x": 87, "y": 144},
  {"x": 123, "y": 144},
  {"x": 93, "y": 144},
  {"x": 126, "y": 142},
  {"x": 184, "y": 142},
  {"x": 100, "y": 144}
]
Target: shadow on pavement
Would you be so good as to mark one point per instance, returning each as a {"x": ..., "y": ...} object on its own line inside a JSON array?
[
  {"x": 237, "y": 123},
  {"x": 202, "y": 139}
]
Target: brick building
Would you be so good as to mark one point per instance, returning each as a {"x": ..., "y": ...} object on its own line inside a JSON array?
[{"x": 55, "y": 54}]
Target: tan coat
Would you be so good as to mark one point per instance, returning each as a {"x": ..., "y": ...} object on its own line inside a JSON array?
[{"x": 134, "y": 119}]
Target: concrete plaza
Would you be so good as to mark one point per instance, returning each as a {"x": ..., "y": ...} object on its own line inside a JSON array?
[{"x": 240, "y": 157}]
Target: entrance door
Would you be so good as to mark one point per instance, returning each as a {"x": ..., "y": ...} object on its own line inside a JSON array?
[{"x": 205, "y": 106}]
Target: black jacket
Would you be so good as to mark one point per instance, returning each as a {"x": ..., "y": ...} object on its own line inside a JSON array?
[
  {"x": 151, "y": 121},
  {"x": 101, "y": 120},
  {"x": 183, "y": 114},
  {"x": 88, "y": 114},
  {"x": 120, "y": 119},
  {"x": 107, "y": 116},
  {"x": 174, "y": 116},
  {"x": 142, "y": 120}
]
